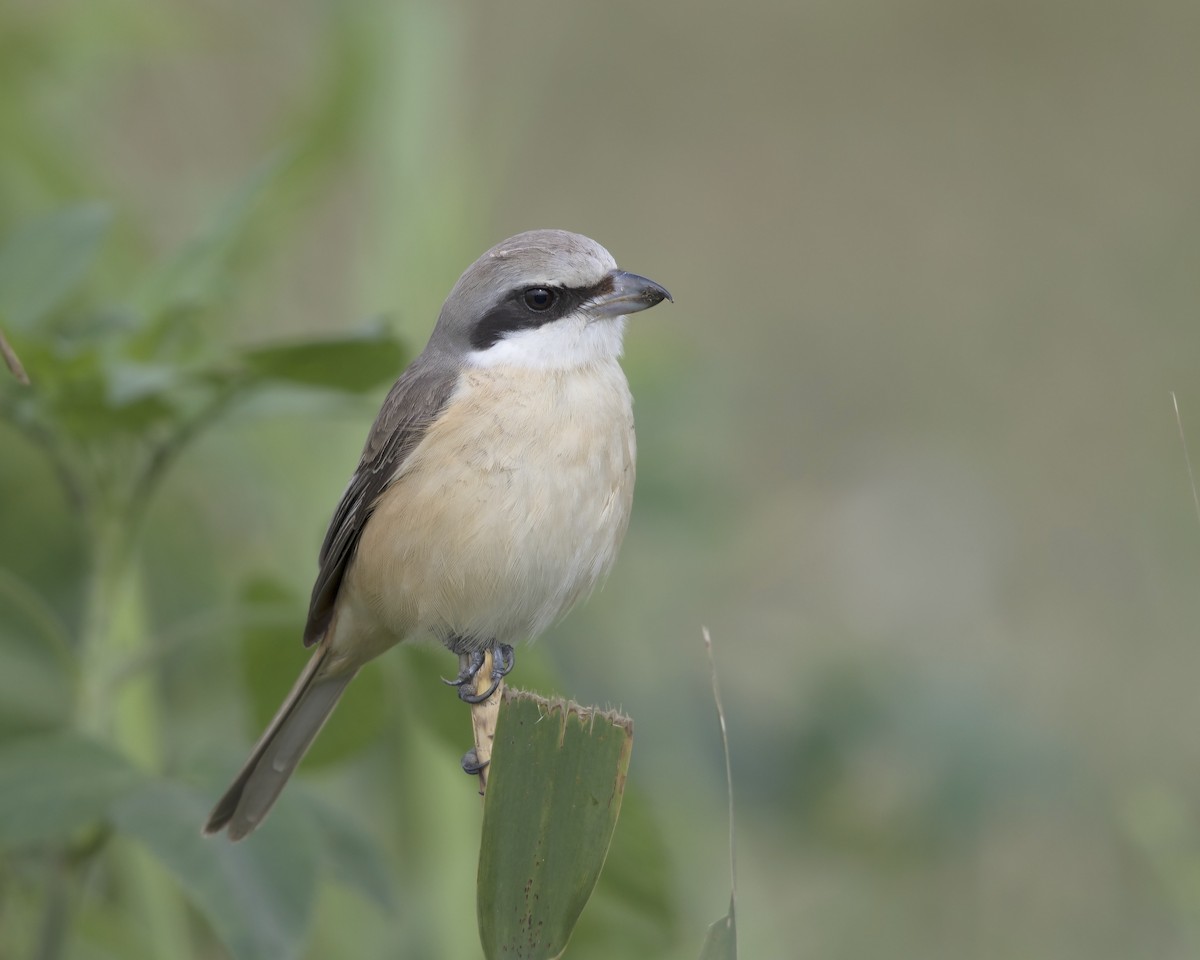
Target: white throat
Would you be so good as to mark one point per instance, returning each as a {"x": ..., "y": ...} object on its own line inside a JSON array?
[{"x": 574, "y": 341}]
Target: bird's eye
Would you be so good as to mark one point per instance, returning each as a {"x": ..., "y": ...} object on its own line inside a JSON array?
[{"x": 539, "y": 298}]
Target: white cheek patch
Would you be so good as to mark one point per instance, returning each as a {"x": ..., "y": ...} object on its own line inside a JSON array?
[{"x": 564, "y": 344}]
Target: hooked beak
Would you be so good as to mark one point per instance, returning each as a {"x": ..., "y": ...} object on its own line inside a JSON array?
[{"x": 629, "y": 294}]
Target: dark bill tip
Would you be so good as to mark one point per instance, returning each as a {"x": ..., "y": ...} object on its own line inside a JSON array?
[{"x": 629, "y": 294}]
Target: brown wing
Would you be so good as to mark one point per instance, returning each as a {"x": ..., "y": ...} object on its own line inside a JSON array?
[{"x": 414, "y": 402}]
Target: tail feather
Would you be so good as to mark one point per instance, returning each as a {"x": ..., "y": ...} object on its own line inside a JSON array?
[{"x": 274, "y": 758}]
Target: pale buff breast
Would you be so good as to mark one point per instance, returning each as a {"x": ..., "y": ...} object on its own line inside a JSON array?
[{"x": 509, "y": 511}]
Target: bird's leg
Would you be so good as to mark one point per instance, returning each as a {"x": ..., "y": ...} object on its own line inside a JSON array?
[
  {"x": 478, "y": 759},
  {"x": 480, "y": 675}
]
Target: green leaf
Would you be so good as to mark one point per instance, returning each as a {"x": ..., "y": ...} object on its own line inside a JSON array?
[
  {"x": 258, "y": 895},
  {"x": 351, "y": 853},
  {"x": 634, "y": 911},
  {"x": 37, "y": 683},
  {"x": 35, "y": 693},
  {"x": 355, "y": 363},
  {"x": 129, "y": 383},
  {"x": 554, "y": 792},
  {"x": 721, "y": 941},
  {"x": 51, "y": 785},
  {"x": 43, "y": 262},
  {"x": 199, "y": 272},
  {"x": 93, "y": 399}
]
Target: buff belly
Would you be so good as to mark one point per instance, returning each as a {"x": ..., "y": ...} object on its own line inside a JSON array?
[{"x": 509, "y": 511}]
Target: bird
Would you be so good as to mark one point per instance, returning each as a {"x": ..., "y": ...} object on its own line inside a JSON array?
[{"x": 492, "y": 494}]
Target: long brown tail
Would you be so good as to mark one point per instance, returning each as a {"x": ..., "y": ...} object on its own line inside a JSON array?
[{"x": 274, "y": 758}]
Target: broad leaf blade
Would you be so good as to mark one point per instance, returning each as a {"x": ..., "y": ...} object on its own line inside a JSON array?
[
  {"x": 349, "y": 851},
  {"x": 353, "y": 364},
  {"x": 35, "y": 692},
  {"x": 554, "y": 792},
  {"x": 201, "y": 270},
  {"x": 54, "y": 784},
  {"x": 634, "y": 911},
  {"x": 43, "y": 262},
  {"x": 258, "y": 896}
]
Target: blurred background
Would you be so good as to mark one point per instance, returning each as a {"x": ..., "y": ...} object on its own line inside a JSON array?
[{"x": 907, "y": 448}]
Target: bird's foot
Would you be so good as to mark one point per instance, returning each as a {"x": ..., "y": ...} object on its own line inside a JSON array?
[
  {"x": 469, "y": 665},
  {"x": 472, "y": 765}
]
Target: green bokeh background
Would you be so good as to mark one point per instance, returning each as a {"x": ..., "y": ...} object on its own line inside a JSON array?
[{"x": 907, "y": 444}]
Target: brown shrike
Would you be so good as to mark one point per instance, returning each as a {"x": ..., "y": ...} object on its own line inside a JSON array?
[{"x": 492, "y": 494}]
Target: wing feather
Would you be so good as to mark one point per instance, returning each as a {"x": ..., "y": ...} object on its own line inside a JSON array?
[{"x": 414, "y": 402}]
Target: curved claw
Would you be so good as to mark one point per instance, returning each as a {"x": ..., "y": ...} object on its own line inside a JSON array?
[
  {"x": 469, "y": 665},
  {"x": 466, "y": 696},
  {"x": 503, "y": 660}
]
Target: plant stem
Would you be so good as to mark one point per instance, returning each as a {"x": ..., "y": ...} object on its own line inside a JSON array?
[
  {"x": 128, "y": 714},
  {"x": 52, "y": 935},
  {"x": 108, "y": 575}
]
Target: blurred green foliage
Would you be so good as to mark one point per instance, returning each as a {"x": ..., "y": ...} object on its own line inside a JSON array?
[
  {"x": 116, "y": 395},
  {"x": 905, "y": 444},
  {"x": 131, "y": 364}
]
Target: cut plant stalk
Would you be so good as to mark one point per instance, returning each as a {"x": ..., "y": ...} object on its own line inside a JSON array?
[{"x": 483, "y": 719}]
